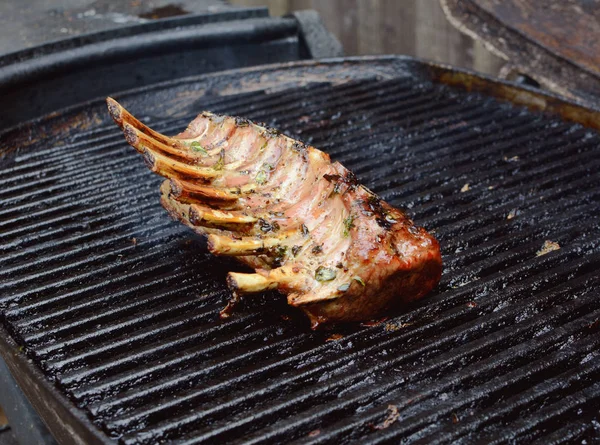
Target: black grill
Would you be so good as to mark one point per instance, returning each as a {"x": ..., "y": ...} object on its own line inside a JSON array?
[{"x": 118, "y": 305}]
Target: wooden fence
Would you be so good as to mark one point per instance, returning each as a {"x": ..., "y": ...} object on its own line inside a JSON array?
[{"x": 414, "y": 27}]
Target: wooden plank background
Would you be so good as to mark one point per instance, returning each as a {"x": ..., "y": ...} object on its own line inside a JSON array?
[{"x": 413, "y": 27}]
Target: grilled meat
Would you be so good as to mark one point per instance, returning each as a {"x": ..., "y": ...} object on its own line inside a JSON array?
[{"x": 305, "y": 224}]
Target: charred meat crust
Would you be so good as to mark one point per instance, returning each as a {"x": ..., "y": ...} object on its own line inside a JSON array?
[{"x": 306, "y": 225}]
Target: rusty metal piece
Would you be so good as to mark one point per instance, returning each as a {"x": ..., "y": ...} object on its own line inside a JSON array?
[
  {"x": 555, "y": 43},
  {"x": 528, "y": 97}
]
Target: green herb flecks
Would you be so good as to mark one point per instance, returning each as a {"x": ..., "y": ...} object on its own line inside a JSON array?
[
  {"x": 344, "y": 287},
  {"x": 241, "y": 122},
  {"x": 304, "y": 230},
  {"x": 295, "y": 250},
  {"x": 266, "y": 226},
  {"x": 348, "y": 225},
  {"x": 195, "y": 146},
  {"x": 221, "y": 162},
  {"x": 281, "y": 251},
  {"x": 280, "y": 255},
  {"x": 359, "y": 279},
  {"x": 324, "y": 274},
  {"x": 389, "y": 218},
  {"x": 261, "y": 177}
]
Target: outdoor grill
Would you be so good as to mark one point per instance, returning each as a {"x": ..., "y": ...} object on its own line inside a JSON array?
[
  {"x": 62, "y": 73},
  {"x": 111, "y": 310}
]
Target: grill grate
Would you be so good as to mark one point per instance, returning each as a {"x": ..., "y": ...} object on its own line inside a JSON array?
[{"x": 118, "y": 305}]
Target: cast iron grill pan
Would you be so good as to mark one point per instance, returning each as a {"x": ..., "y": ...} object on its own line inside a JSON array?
[{"x": 118, "y": 305}]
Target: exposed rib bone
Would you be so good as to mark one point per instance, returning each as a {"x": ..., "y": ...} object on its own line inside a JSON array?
[
  {"x": 249, "y": 283},
  {"x": 200, "y": 214},
  {"x": 186, "y": 191},
  {"x": 223, "y": 245},
  {"x": 170, "y": 167},
  {"x": 141, "y": 142},
  {"x": 121, "y": 116}
]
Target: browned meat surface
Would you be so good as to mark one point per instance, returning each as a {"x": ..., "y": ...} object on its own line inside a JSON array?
[{"x": 306, "y": 226}]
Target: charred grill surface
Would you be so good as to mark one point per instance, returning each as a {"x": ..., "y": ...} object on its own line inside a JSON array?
[{"x": 119, "y": 306}]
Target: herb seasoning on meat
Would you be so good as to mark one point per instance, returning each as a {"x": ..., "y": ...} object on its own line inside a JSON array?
[{"x": 256, "y": 200}]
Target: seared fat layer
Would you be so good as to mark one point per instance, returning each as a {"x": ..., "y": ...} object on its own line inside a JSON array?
[{"x": 306, "y": 226}]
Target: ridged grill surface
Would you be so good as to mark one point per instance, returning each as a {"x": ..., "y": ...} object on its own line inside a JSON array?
[{"x": 118, "y": 305}]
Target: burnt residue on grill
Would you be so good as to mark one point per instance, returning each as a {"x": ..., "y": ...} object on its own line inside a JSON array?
[
  {"x": 119, "y": 306},
  {"x": 586, "y": 115},
  {"x": 164, "y": 11},
  {"x": 546, "y": 40}
]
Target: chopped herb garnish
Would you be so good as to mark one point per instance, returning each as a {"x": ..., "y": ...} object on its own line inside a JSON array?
[
  {"x": 415, "y": 230},
  {"x": 195, "y": 146},
  {"x": 221, "y": 162},
  {"x": 304, "y": 230},
  {"x": 281, "y": 251},
  {"x": 324, "y": 274},
  {"x": 271, "y": 132},
  {"x": 299, "y": 147},
  {"x": 241, "y": 122},
  {"x": 317, "y": 249},
  {"x": 344, "y": 287},
  {"x": 295, "y": 250},
  {"x": 359, "y": 279},
  {"x": 280, "y": 254},
  {"x": 266, "y": 226},
  {"x": 261, "y": 177},
  {"x": 348, "y": 225}
]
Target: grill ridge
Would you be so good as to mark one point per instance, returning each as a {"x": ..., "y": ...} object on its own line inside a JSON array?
[
  {"x": 136, "y": 342},
  {"x": 231, "y": 404},
  {"x": 508, "y": 358},
  {"x": 244, "y": 421},
  {"x": 445, "y": 385},
  {"x": 58, "y": 328},
  {"x": 64, "y": 207},
  {"x": 36, "y": 250},
  {"x": 557, "y": 383}
]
